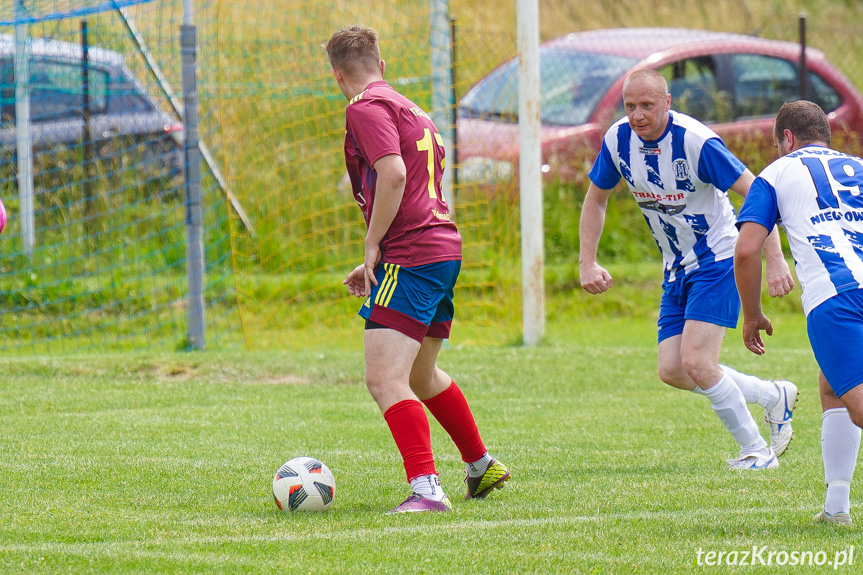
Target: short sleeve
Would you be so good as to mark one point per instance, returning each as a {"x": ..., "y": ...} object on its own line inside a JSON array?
[
  {"x": 604, "y": 173},
  {"x": 718, "y": 166},
  {"x": 760, "y": 205},
  {"x": 374, "y": 125}
]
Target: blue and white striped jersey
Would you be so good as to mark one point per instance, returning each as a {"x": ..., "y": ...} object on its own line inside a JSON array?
[
  {"x": 816, "y": 195},
  {"x": 680, "y": 182}
]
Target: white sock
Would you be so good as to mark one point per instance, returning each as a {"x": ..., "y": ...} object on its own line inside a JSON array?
[
  {"x": 755, "y": 390},
  {"x": 428, "y": 486},
  {"x": 477, "y": 468},
  {"x": 727, "y": 401},
  {"x": 840, "y": 442}
]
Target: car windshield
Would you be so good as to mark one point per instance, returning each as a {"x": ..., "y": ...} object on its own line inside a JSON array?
[{"x": 572, "y": 84}]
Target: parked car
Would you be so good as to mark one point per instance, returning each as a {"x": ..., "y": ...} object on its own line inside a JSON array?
[
  {"x": 123, "y": 117},
  {"x": 733, "y": 83}
]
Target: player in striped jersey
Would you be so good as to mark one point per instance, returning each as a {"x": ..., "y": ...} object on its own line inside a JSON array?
[
  {"x": 395, "y": 159},
  {"x": 816, "y": 194},
  {"x": 679, "y": 171}
]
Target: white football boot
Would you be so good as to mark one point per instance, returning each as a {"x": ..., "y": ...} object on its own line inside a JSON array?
[
  {"x": 757, "y": 460},
  {"x": 837, "y": 518},
  {"x": 779, "y": 417}
]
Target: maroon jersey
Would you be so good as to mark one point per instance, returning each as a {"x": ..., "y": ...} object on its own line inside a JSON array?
[{"x": 380, "y": 121}]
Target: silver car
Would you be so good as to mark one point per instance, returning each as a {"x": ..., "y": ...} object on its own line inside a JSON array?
[{"x": 123, "y": 118}]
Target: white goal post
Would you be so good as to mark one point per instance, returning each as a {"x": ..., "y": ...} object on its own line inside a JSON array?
[
  {"x": 530, "y": 162},
  {"x": 530, "y": 174}
]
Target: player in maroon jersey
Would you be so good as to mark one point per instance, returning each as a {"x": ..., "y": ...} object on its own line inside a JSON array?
[{"x": 395, "y": 156}]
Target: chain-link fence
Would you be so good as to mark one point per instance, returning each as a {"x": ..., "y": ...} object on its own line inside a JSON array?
[{"x": 92, "y": 170}]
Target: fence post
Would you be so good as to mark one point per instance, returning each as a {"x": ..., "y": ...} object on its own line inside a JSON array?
[
  {"x": 22, "y": 128},
  {"x": 194, "y": 235},
  {"x": 88, "y": 152},
  {"x": 804, "y": 73}
]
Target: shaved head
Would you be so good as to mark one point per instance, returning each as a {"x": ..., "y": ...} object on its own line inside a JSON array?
[
  {"x": 650, "y": 79},
  {"x": 647, "y": 103}
]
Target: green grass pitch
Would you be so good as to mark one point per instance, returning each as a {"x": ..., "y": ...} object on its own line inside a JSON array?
[{"x": 163, "y": 464}]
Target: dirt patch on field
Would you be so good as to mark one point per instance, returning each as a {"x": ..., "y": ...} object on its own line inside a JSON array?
[{"x": 181, "y": 372}]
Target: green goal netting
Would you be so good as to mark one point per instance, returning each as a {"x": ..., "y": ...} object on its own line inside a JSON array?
[
  {"x": 92, "y": 175},
  {"x": 94, "y": 254}
]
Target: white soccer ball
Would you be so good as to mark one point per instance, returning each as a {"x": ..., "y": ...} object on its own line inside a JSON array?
[{"x": 304, "y": 484}]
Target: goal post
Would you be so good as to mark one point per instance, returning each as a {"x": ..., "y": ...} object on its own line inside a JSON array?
[{"x": 530, "y": 173}]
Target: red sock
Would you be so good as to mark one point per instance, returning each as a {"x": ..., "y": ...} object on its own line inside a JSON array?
[
  {"x": 410, "y": 428},
  {"x": 451, "y": 410}
]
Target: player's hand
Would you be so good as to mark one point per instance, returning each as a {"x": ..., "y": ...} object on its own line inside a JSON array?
[
  {"x": 372, "y": 259},
  {"x": 356, "y": 281},
  {"x": 779, "y": 279},
  {"x": 595, "y": 279},
  {"x": 752, "y": 333}
]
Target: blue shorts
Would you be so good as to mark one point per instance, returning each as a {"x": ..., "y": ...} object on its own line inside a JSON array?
[
  {"x": 707, "y": 294},
  {"x": 414, "y": 301},
  {"x": 835, "y": 330}
]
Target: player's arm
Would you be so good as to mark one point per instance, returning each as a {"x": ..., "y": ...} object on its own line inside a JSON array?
[
  {"x": 779, "y": 279},
  {"x": 743, "y": 183},
  {"x": 747, "y": 274},
  {"x": 389, "y": 191},
  {"x": 594, "y": 278}
]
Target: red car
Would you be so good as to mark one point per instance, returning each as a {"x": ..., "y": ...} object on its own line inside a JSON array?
[{"x": 731, "y": 82}]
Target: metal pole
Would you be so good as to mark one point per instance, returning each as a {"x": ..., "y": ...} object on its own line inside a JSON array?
[
  {"x": 804, "y": 73},
  {"x": 530, "y": 173},
  {"x": 87, "y": 152},
  {"x": 194, "y": 225},
  {"x": 188, "y": 13},
  {"x": 22, "y": 131}
]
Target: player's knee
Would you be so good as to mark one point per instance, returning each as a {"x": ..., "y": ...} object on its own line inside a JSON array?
[
  {"x": 671, "y": 375},
  {"x": 855, "y": 412},
  {"x": 697, "y": 369},
  {"x": 829, "y": 399},
  {"x": 377, "y": 387}
]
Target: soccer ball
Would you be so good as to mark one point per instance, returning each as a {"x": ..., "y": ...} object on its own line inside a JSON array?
[{"x": 304, "y": 484}]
